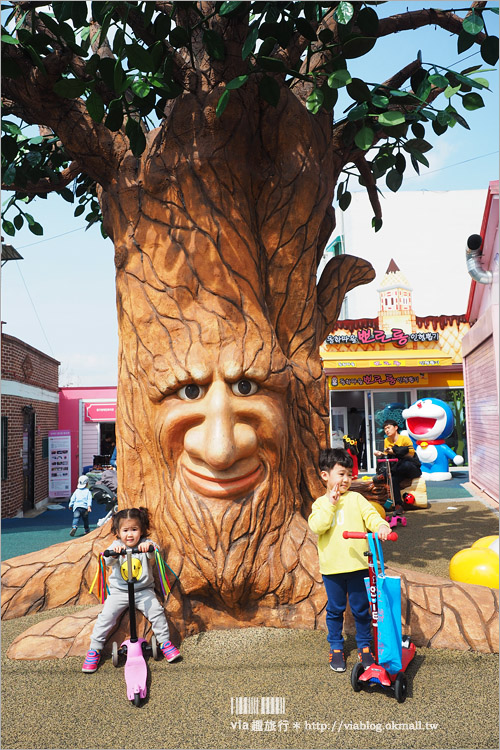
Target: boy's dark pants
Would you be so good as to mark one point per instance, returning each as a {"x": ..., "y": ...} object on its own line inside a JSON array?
[{"x": 338, "y": 586}]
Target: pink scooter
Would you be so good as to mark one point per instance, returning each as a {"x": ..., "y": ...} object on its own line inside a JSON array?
[{"x": 136, "y": 670}]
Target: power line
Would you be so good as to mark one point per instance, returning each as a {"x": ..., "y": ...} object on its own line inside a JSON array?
[
  {"x": 449, "y": 166},
  {"x": 34, "y": 308},
  {"x": 55, "y": 237}
]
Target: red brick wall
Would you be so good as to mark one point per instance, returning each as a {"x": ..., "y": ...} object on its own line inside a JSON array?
[{"x": 25, "y": 364}]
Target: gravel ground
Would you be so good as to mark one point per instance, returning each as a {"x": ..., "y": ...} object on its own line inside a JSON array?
[{"x": 452, "y": 701}]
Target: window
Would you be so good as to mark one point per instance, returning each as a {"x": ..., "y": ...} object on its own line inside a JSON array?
[{"x": 5, "y": 423}]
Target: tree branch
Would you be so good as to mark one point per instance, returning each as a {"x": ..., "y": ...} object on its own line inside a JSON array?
[
  {"x": 46, "y": 185},
  {"x": 425, "y": 17}
]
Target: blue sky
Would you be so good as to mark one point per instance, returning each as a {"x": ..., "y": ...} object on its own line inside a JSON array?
[{"x": 61, "y": 297}]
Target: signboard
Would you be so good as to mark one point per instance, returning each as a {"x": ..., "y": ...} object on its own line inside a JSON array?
[
  {"x": 378, "y": 380},
  {"x": 98, "y": 412},
  {"x": 59, "y": 463},
  {"x": 377, "y": 336}
]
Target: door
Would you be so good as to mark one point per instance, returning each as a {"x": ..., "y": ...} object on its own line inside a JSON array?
[
  {"x": 338, "y": 426},
  {"x": 385, "y": 405},
  {"x": 28, "y": 458}
]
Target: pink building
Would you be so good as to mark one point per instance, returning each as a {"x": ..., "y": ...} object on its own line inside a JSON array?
[
  {"x": 480, "y": 349},
  {"x": 90, "y": 415}
]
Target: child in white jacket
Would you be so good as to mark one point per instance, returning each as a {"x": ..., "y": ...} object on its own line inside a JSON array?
[{"x": 81, "y": 505}]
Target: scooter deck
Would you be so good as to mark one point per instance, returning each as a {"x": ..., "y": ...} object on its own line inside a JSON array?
[
  {"x": 376, "y": 673},
  {"x": 136, "y": 671}
]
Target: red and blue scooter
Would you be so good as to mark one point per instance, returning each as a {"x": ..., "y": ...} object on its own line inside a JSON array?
[
  {"x": 136, "y": 670},
  {"x": 376, "y": 673}
]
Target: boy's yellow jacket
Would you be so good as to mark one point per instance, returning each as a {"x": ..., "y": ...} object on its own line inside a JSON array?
[{"x": 353, "y": 512}]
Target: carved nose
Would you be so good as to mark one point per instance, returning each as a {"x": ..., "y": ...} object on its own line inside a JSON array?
[{"x": 221, "y": 438}]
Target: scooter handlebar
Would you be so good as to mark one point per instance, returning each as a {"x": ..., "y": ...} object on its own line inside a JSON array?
[
  {"x": 134, "y": 550},
  {"x": 392, "y": 537}
]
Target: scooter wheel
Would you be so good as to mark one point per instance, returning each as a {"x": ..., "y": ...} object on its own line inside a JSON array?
[
  {"x": 400, "y": 687},
  {"x": 154, "y": 648},
  {"x": 137, "y": 699},
  {"x": 115, "y": 656},
  {"x": 356, "y": 672}
]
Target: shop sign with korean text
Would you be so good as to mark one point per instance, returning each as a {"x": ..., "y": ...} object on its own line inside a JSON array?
[{"x": 378, "y": 380}]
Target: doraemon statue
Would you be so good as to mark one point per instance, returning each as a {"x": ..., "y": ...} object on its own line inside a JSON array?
[{"x": 429, "y": 422}]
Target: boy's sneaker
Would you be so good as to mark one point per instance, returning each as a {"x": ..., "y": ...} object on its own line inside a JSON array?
[
  {"x": 337, "y": 660},
  {"x": 169, "y": 651},
  {"x": 91, "y": 660},
  {"x": 73, "y": 531},
  {"x": 366, "y": 657}
]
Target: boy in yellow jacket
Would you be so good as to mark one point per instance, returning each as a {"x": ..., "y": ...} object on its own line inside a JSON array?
[{"x": 342, "y": 562}]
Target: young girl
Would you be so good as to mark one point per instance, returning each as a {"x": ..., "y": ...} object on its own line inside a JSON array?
[{"x": 131, "y": 527}]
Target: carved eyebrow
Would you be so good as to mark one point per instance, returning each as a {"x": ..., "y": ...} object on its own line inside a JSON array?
[{"x": 170, "y": 384}]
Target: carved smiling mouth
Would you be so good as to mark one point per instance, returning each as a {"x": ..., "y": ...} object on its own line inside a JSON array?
[
  {"x": 223, "y": 487},
  {"x": 420, "y": 425}
]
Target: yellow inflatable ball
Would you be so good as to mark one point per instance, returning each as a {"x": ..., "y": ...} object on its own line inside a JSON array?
[
  {"x": 485, "y": 542},
  {"x": 479, "y": 566},
  {"x": 379, "y": 508}
]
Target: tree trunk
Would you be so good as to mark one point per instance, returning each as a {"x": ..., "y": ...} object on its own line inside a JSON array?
[{"x": 222, "y": 405}]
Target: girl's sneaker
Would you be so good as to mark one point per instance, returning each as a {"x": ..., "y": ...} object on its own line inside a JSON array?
[
  {"x": 337, "y": 660},
  {"x": 169, "y": 651},
  {"x": 91, "y": 660}
]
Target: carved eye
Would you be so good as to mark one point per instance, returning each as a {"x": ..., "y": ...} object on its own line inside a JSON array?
[
  {"x": 244, "y": 387},
  {"x": 191, "y": 392}
]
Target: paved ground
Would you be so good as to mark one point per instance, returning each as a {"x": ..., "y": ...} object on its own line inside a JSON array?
[{"x": 452, "y": 702}]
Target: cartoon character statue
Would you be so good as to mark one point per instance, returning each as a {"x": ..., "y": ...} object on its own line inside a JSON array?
[{"x": 429, "y": 422}]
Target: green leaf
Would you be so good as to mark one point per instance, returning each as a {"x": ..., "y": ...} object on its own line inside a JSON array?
[
  {"x": 67, "y": 194},
  {"x": 339, "y": 78},
  {"x": 214, "y": 44},
  {"x": 358, "y": 90},
  {"x": 472, "y": 101},
  {"x": 114, "y": 119},
  {"x": 357, "y": 113},
  {"x": 141, "y": 88},
  {"x": 345, "y": 200},
  {"x": 473, "y": 24},
  {"x": 416, "y": 155},
  {"x": 305, "y": 28},
  {"x": 36, "y": 228},
  {"x": 417, "y": 144},
  {"x": 364, "y": 138},
  {"x": 391, "y": 118},
  {"x": 380, "y": 101},
  {"x": 367, "y": 21},
  {"x": 400, "y": 163},
  {"x": 326, "y": 36},
  {"x": 269, "y": 90},
  {"x": 18, "y": 221},
  {"x": 330, "y": 97},
  {"x": 393, "y": 180},
  {"x": 222, "y": 103},
  {"x": 161, "y": 26},
  {"x": 36, "y": 140},
  {"x": 235, "y": 83},
  {"x": 464, "y": 41},
  {"x": 29, "y": 219},
  {"x": 70, "y": 88},
  {"x": 8, "y": 227},
  {"x": 179, "y": 37},
  {"x": 343, "y": 13},
  {"x": 139, "y": 58},
  {"x": 357, "y": 46},
  {"x": 136, "y": 137},
  {"x": 376, "y": 223},
  {"x": 8, "y": 39},
  {"x": 314, "y": 101},
  {"x": 481, "y": 83},
  {"x": 439, "y": 128},
  {"x": 438, "y": 80},
  {"x": 418, "y": 130},
  {"x": 95, "y": 106},
  {"x": 250, "y": 42},
  {"x": 489, "y": 50},
  {"x": 450, "y": 91},
  {"x": 227, "y": 8},
  {"x": 79, "y": 210}
]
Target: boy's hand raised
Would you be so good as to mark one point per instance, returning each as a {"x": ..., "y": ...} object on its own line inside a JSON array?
[{"x": 335, "y": 494}]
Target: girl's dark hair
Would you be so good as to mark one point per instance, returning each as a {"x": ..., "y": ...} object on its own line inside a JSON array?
[
  {"x": 333, "y": 456},
  {"x": 139, "y": 514}
]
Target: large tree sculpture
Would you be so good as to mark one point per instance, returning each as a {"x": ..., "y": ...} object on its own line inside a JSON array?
[{"x": 204, "y": 133}]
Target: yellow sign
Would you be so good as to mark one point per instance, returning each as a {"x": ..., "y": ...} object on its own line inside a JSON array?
[{"x": 378, "y": 380}]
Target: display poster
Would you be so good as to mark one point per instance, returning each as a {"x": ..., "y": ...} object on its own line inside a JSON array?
[{"x": 59, "y": 463}]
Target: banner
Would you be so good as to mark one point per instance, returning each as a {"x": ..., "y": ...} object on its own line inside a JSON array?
[{"x": 59, "y": 463}]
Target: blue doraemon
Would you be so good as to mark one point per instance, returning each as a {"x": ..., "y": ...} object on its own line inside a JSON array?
[{"x": 429, "y": 422}]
